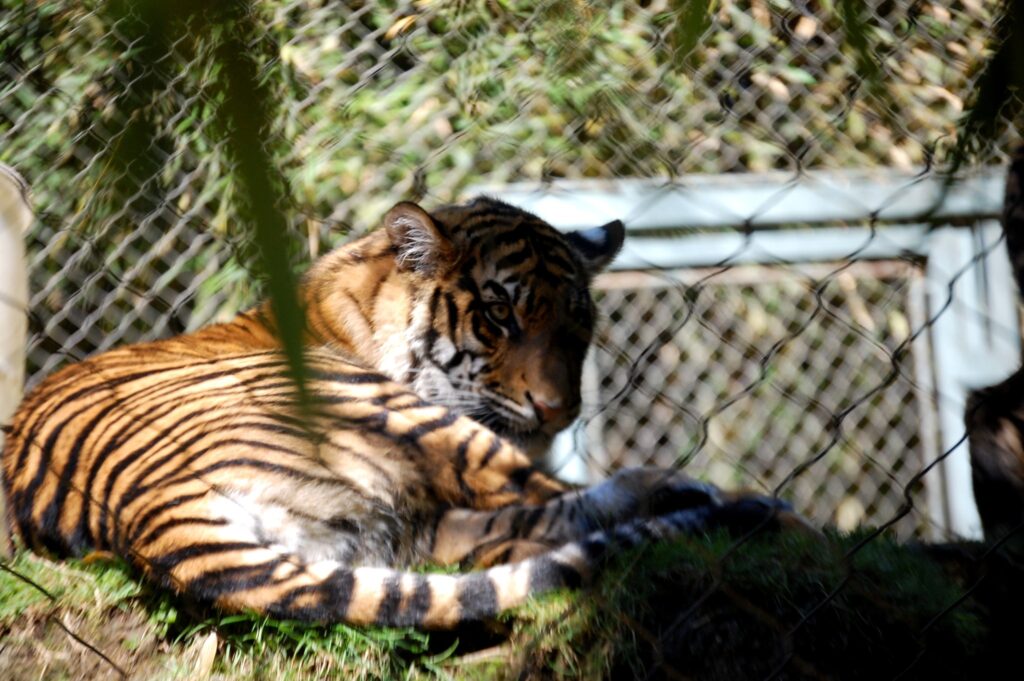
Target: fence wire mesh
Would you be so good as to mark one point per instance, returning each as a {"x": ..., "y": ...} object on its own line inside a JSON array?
[
  {"x": 760, "y": 439},
  {"x": 817, "y": 377}
]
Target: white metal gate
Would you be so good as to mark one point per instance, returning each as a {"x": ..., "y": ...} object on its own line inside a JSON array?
[{"x": 936, "y": 247}]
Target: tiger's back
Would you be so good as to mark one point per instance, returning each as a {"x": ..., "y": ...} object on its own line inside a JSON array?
[{"x": 442, "y": 350}]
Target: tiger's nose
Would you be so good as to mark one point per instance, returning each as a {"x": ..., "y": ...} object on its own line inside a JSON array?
[{"x": 547, "y": 410}]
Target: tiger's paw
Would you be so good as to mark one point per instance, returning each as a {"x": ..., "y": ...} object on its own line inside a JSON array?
[
  {"x": 746, "y": 512},
  {"x": 737, "y": 516},
  {"x": 649, "y": 492},
  {"x": 646, "y": 492}
]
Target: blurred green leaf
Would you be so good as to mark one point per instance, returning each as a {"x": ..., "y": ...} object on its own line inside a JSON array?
[
  {"x": 246, "y": 115},
  {"x": 797, "y": 75},
  {"x": 244, "y": 112},
  {"x": 856, "y": 24},
  {"x": 693, "y": 18}
]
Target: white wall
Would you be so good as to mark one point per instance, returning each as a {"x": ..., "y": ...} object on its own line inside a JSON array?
[{"x": 15, "y": 218}]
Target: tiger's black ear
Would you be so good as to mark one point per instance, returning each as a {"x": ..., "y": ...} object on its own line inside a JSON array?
[
  {"x": 421, "y": 244},
  {"x": 598, "y": 246}
]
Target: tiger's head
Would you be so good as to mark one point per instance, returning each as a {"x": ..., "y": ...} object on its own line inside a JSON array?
[{"x": 504, "y": 316}]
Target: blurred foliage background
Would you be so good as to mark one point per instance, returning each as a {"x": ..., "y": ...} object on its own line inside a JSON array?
[{"x": 372, "y": 102}]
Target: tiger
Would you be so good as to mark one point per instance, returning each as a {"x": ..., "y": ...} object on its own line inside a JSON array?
[
  {"x": 994, "y": 415},
  {"x": 443, "y": 352}
]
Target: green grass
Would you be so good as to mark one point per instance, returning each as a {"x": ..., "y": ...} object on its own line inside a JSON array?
[
  {"x": 700, "y": 608},
  {"x": 159, "y": 635}
]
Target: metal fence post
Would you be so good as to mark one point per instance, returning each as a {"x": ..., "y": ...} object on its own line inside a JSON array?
[
  {"x": 15, "y": 217},
  {"x": 972, "y": 300}
]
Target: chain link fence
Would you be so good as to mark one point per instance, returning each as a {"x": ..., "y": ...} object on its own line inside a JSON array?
[
  {"x": 816, "y": 373},
  {"x": 761, "y": 438}
]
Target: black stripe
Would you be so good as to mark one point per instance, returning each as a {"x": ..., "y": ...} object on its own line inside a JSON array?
[
  {"x": 477, "y": 596},
  {"x": 222, "y": 581},
  {"x": 461, "y": 466},
  {"x": 430, "y": 338},
  {"x": 478, "y": 323},
  {"x": 551, "y": 257},
  {"x": 390, "y": 603},
  {"x": 258, "y": 464},
  {"x": 520, "y": 476},
  {"x": 492, "y": 450},
  {"x": 525, "y": 520},
  {"x": 416, "y": 403},
  {"x": 140, "y": 523},
  {"x": 159, "y": 530},
  {"x": 419, "y": 602},
  {"x": 468, "y": 283},
  {"x": 489, "y": 525},
  {"x": 421, "y": 430},
  {"x": 357, "y": 377},
  {"x": 359, "y": 307},
  {"x": 334, "y": 592},
  {"x": 166, "y": 561},
  {"x": 547, "y": 574},
  {"x": 513, "y": 259},
  {"x": 453, "y": 316},
  {"x": 456, "y": 360},
  {"x": 497, "y": 289}
]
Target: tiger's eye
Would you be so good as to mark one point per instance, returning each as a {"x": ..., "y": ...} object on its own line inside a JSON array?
[{"x": 499, "y": 312}]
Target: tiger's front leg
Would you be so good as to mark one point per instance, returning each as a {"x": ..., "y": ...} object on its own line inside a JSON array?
[
  {"x": 474, "y": 468},
  {"x": 519, "y": 531},
  {"x": 465, "y": 464}
]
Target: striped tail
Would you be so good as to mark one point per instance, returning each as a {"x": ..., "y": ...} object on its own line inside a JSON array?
[{"x": 258, "y": 578}]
